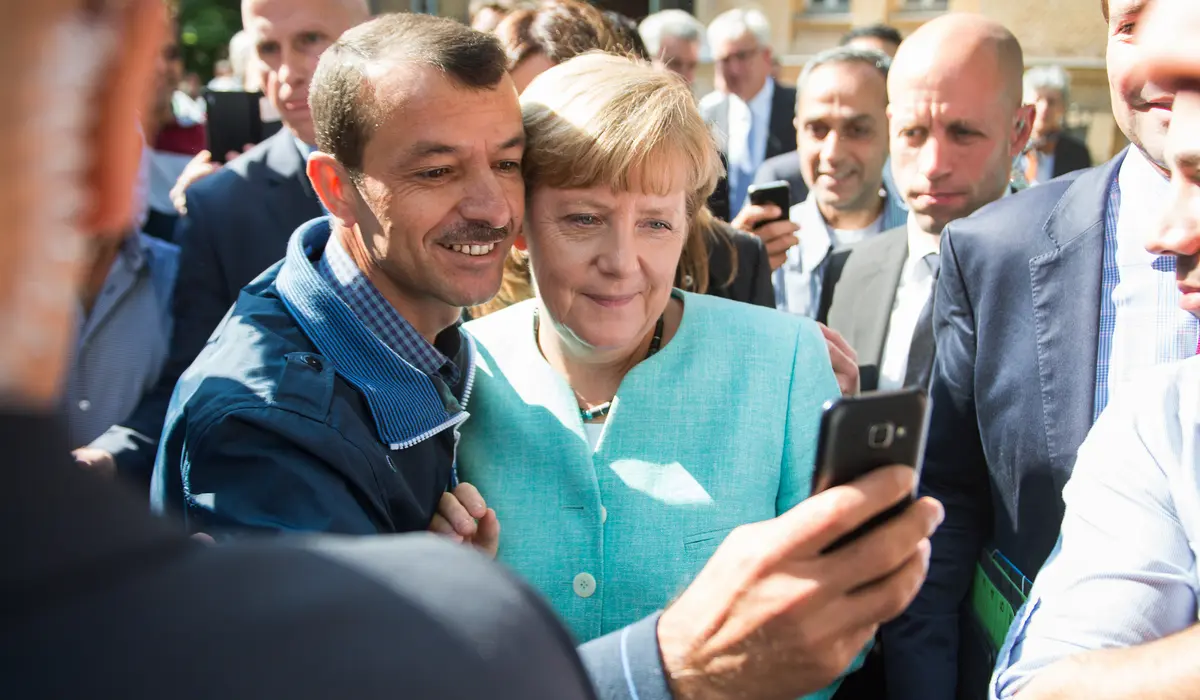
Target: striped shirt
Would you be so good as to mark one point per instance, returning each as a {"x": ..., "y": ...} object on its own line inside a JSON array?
[
  {"x": 1141, "y": 324},
  {"x": 380, "y": 317}
]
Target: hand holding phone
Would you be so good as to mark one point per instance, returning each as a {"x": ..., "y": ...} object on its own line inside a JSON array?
[{"x": 860, "y": 434}]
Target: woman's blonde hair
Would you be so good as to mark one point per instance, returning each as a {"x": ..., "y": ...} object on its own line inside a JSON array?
[{"x": 601, "y": 119}]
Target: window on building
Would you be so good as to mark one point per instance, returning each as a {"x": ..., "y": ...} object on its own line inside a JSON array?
[
  {"x": 925, "y": 5},
  {"x": 828, "y": 6}
]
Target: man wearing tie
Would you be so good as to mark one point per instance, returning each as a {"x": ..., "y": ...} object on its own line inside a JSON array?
[
  {"x": 1051, "y": 152},
  {"x": 753, "y": 116},
  {"x": 956, "y": 123}
]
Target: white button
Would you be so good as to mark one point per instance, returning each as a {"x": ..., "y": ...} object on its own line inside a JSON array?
[
  {"x": 85, "y": 405},
  {"x": 585, "y": 585},
  {"x": 603, "y": 514}
]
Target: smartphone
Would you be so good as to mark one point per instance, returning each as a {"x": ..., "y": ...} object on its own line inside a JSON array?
[
  {"x": 234, "y": 121},
  {"x": 860, "y": 434},
  {"x": 778, "y": 193}
]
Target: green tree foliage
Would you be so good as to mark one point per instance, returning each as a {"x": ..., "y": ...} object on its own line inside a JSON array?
[{"x": 205, "y": 28}]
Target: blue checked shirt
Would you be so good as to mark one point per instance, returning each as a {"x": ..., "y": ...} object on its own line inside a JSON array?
[
  {"x": 340, "y": 272},
  {"x": 1141, "y": 324}
]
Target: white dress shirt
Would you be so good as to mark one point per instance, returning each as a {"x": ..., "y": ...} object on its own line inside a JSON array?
[
  {"x": 1150, "y": 327},
  {"x": 1124, "y": 571},
  {"x": 916, "y": 285}
]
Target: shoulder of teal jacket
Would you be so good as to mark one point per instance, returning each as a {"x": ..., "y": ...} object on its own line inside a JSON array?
[{"x": 724, "y": 325}]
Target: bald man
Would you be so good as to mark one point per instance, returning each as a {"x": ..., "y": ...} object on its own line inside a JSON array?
[
  {"x": 956, "y": 123},
  {"x": 238, "y": 220},
  {"x": 1047, "y": 303}
]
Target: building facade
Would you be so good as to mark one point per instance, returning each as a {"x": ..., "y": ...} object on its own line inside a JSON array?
[{"x": 1071, "y": 33}]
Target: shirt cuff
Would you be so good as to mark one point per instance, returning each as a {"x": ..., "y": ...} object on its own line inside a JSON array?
[{"x": 626, "y": 664}]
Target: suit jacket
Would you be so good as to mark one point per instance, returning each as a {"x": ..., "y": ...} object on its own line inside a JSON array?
[
  {"x": 752, "y": 283},
  {"x": 1016, "y": 321},
  {"x": 785, "y": 166},
  {"x": 238, "y": 224},
  {"x": 1070, "y": 154},
  {"x": 864, "y": 279},
  {"x": 781, "y": 136},
  {"x": 122, "y": 605}
]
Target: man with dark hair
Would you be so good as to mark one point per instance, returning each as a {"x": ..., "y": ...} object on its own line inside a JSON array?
[
  {"x": 879, "y": 37},
  {"x": 330, "y": 397},
  {"x": 1047, "y": 306}
]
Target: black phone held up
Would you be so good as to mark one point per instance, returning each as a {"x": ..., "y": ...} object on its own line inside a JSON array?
[
  {"x": 860, "y": 434},
  {"x": 778, "y": 193},
  {"x": 234, "y": 121}
]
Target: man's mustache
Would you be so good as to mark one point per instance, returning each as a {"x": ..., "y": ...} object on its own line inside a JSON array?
[{"x": 474, "y": 233}]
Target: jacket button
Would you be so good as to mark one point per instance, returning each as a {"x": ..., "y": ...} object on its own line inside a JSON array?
[
  {"x": 313, "y": 362},
  {"x": 584, "y": 585}
]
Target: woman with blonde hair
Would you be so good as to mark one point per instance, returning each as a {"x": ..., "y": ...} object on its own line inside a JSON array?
[{"x": 620, "y": 427}]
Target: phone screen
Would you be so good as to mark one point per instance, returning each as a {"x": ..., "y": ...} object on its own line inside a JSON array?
[{"x": 234, "y": 122}]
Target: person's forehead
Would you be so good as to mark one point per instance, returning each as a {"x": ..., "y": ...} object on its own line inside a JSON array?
[
  {"x": 1124, "y": 8},
  {"x": 422, "y": 103},
  {"x": 845, "y": 81},
  {"x": 737, "y": 43},
  {"x": 675, "y": 44},
  {"x": 956, "y": 93},
  {"x": 272, "y": 18}
]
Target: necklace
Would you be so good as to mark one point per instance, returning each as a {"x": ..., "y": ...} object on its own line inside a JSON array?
[{"x": 591, "y": 413}]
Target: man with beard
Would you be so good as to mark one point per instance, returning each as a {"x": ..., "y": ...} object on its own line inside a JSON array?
[
  {"x": 1047, "y": 304},
  {"x": 330, "y": 397}
]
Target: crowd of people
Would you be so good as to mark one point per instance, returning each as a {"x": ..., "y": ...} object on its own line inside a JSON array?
[{"x": 503, "y": 292}]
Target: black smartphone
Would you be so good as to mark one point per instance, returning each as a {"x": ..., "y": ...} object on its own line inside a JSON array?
[
  {"x": 778, "y": 193},
  {"x": 860, "y": 434},
  {"x": 234, "y": 121}
]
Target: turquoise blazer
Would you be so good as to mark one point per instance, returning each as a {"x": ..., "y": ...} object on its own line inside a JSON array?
[{"x": 717, "y": 430}]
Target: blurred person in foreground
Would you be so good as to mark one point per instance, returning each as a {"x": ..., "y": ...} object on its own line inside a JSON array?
[
  {"x": 842, "y": 133},
  {"x": 1051, "y": 151},
  {"x": 98, "y": 582},
  {"x": 1048, "y": 304},
  {"x": 1113, "y": 613},
  {"x": 617, "y": 424},
  {"x": 675, "y": 41},
  {"x": 238, "y": 220},
  {"x": 876, "y": 37}
]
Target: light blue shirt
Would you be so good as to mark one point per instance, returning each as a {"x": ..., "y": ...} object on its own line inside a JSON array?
[{"x": 1124, "y": 571}]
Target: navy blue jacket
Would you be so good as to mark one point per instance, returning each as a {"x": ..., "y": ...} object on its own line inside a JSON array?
[
  {"x": 238, "y": 224},
  {"x": 1016, "y": 319},
  {"x": 296, "y": 417}
]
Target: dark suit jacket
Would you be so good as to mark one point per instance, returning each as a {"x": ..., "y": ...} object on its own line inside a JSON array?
[
  {"x": 102, "y": 600},
  {"x": 1016, "y": 320},
  {"x": 786, "y": 167},
  {"x": 752, "y": 283},
  {"x": 238, "y": 224},
  {"x": 1070, "y": 154},
  {"x": 864, "y": 279},
  {"x": 781, "y": 137}
]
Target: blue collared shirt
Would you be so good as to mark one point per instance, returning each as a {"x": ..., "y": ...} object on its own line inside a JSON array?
[
  {"x": 1124, "y": 571},
  {"x": 381, "y": 318},
  {"x": 1141, "y": 324},
  {"x": 122, "y": 344}
]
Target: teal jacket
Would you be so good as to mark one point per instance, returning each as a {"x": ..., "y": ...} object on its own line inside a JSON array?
[{"x": 717, "y": 430}]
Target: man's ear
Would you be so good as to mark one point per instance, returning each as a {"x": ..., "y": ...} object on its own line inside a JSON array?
[
  {"x": 1022, "y": 128},
  {"x": 122, "y": 93},
  {"x": 331, "y": 182}
]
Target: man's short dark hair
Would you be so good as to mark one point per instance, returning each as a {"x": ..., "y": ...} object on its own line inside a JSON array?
[
  {"x": 874, "y": 31},
  {"x": 1104, "y": 9},
  {"x": 343, "y": 102}
]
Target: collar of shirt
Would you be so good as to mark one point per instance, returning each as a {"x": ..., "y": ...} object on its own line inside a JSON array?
[
  {"x": 920, "y": 244},
  {"x": 305, "y": 149},
  {"x": 381, "y": 318},
  {"x": 408, "y": 405},
  {"x": 818, "y": 239}
]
